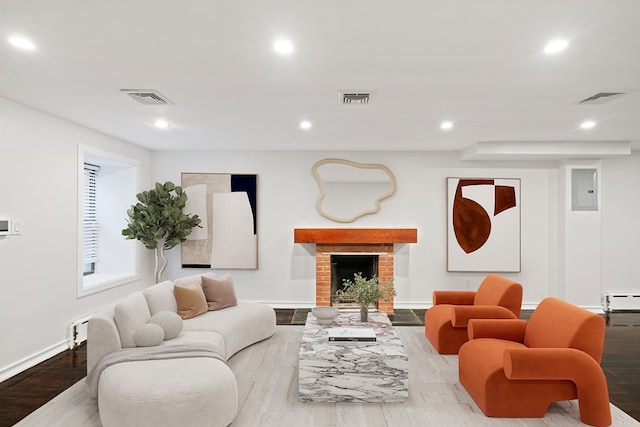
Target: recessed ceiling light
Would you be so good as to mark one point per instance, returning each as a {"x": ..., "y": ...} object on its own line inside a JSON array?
[
  {"x": 22, "y": 43},
  {"x": 588, "y": 124},
  {"x": 305, "y": 124},
  {"x": 283, "y": 46},
  {"x": 555, "y": 46},
  {"x": 161, "y": 124},
  {"x": 446, "y": 125}
]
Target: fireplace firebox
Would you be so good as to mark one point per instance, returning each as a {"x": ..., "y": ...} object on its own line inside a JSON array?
[{"x": 344, "y": 267}]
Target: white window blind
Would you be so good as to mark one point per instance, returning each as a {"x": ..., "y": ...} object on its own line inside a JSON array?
[{"x": 90, "y": 219}]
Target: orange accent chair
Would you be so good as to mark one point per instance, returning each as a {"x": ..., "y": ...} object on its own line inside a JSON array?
[
  {"x": 445, "y": 324},
  {"x": 516, "y": 368}
]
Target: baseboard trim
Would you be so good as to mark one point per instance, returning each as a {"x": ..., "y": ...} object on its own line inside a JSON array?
[
  {"x": 419, "y": 305},
  {"x": 33, "y": 360},
  {"x": 278, "y": 304}
]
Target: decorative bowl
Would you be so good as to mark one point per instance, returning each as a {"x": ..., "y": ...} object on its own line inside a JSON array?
[{"x": 325, "y": 315}]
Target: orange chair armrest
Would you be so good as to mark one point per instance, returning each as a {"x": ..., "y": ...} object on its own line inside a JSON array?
[
  {"x": 564, "y": 364},
  {"x": 504, "y": 329},
  {"x": 453, "y": 297},
  {"x": 547, "y": 363},
  {"x": 460, "y": 315}
]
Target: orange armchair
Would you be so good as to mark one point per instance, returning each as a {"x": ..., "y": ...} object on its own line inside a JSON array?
[
  {"x": 445, "y": 324},
  {"x": 515, "y": 368}
]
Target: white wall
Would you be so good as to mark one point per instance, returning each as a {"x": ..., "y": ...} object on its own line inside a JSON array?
[
  {"x": 287, "y": 194},
  {"x": 621, "y": 224},
  {"x": 38, "y": 161},
  {"x": 38, "y": 269}
]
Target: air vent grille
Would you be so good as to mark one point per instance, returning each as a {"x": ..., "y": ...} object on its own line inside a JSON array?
[
  {"x": 602, "y": 97},
  {"x": 147, "y": 96},
  {"x": 355, "y": 97}
]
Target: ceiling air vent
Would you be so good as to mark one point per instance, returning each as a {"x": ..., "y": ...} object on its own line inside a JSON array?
[
  {"x": 355, "y": 97},
  {"x": 602, "y": 97},
  {"x": 147, "y": 96}
]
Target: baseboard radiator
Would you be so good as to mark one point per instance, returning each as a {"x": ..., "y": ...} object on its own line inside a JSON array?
[
  {"x": 78, "y": 331},
  {"x": 621, "y": 302}
]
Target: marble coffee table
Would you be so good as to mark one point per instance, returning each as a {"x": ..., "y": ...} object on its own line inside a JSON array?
[{"x": 362, "y": 372}]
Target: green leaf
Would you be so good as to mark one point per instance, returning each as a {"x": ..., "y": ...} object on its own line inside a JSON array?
[
  {"x": 367, "y": 291},
  {"x": 157, "y": 219}
]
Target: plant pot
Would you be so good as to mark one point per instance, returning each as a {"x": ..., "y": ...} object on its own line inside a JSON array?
[{"x": 364, "y": 314}]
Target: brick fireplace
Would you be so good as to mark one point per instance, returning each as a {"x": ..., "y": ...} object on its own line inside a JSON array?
[{"x": 330, "y": 241}]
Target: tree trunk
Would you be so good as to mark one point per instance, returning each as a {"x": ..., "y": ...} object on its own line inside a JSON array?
[{"x": 161, "y": 261}]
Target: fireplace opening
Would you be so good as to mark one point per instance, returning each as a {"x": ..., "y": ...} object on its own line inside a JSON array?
[{"x": 344, "y": 267}]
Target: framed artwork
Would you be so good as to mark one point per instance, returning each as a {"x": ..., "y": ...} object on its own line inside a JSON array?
[
  {"x": 483, "y": 224},
  {"x": 227, "y": 237}
]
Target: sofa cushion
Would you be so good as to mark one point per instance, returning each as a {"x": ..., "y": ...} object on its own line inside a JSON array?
[
  {"x": 219, "y": 292},
  {"x": 200, "y": 391},
  {"x": 160, "y": 298},
  {"x": 129, "y": 314},
  {"x": 240, "y": 326},
  {"x": 148, "y": 335},
  {"x": 169, "y": 321},
  {"x": 190, "y": 300},
  {"x": 190, "y": 337}
]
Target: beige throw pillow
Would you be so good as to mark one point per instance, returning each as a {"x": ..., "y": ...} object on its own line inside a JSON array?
[
  {"x": 169, "y": 321},
  {"x": 148, "y": 335},
  {"x": 219, "y": 292},
  {"x": 190, "y": 300},
  {"x": 130, "y": 313}
]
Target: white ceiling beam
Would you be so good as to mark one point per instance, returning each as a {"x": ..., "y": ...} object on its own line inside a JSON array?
[{"x": 545, "y": 150}]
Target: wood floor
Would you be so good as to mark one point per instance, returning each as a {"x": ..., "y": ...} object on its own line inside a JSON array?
[{"x": 27, "y": 391}]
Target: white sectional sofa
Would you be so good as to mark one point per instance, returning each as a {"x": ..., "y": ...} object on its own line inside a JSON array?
[{"x": 182, "y": 381}]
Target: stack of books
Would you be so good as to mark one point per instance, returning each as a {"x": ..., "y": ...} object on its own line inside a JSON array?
[{"x": 351, "y": 335}]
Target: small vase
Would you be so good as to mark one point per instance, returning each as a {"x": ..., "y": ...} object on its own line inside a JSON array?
[{"x": 364, "y": 314}]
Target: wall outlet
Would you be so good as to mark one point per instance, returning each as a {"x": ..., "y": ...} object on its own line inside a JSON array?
[{"x": 467, "y": 283}]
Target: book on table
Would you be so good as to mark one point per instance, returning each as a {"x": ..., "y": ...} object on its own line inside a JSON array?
[{"x": 352, "y": 335}]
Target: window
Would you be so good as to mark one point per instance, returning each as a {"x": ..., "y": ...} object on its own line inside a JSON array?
[
  {"x": 90, "y": 219},
  {"x": 107, "y": 187}
]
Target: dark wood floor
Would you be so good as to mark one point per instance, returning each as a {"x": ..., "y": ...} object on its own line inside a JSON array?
[{"x": 27, "y": 391}]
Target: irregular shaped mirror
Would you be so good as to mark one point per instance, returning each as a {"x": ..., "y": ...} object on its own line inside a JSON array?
[{"x": 350, "y": 190}]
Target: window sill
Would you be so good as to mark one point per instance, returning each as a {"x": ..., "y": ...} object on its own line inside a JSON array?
[{"x": 95, "y": 283}]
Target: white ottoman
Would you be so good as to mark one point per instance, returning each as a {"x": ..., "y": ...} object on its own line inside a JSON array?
[{"x": 199, "y": 391}]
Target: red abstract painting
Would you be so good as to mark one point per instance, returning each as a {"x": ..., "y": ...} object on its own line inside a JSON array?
[{"x": 475, "y": 209}]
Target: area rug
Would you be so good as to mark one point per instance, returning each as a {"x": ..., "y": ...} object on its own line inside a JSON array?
[
  {"x": 401, "y": 317},
  {"x": 268, "y": 395}
]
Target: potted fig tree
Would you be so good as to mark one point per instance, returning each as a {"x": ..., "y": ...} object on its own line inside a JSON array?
[{"x": 158, "y": 222}]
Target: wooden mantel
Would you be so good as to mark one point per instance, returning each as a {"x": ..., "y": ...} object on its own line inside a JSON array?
[{"x": 355, "y": 235}]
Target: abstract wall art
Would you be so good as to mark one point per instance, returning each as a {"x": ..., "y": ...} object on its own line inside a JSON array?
[
  {"x": 350, "y": 190},
  {"x": 228, "y": 237},
  {"x": 483, "y": 232}
]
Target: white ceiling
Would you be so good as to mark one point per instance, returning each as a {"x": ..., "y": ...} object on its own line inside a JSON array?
[{"x": 477, "y": 63}]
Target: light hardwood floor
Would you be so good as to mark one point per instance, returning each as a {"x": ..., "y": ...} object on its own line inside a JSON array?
[{"x": 267, "y": 384}]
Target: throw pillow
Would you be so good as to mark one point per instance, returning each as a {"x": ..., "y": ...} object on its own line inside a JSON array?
[
  {"x": 130, "y": 313},
  {"x": 219, "y": 292},
  {"x": 170, "y": 322},
  {"x": 190, "y": 299},
  {"x": 160, "y": 297},
  {"x": 148, "y": 335}
]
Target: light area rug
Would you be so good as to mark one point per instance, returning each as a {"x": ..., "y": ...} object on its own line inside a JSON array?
[{"x": 267, "y": 374}]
